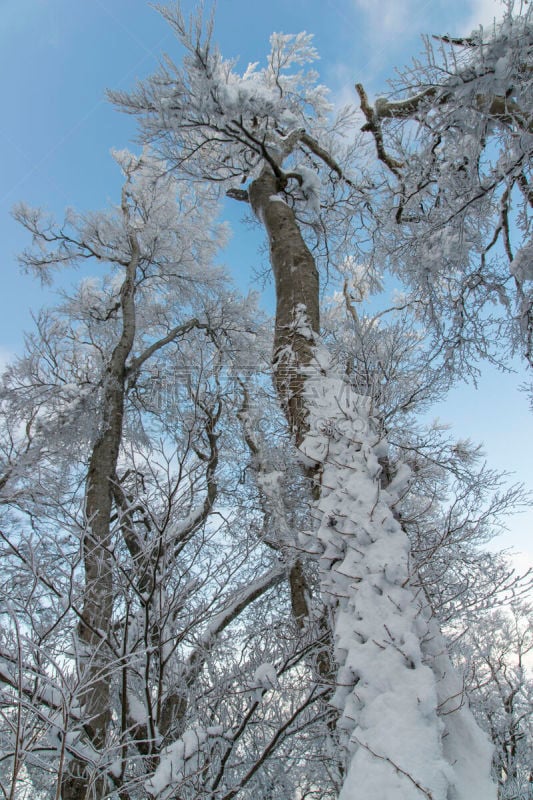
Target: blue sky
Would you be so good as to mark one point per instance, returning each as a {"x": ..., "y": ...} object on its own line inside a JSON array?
[{"x": 57, "y": 57}]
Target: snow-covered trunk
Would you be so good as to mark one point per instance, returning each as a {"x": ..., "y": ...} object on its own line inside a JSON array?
[
  {"x": 297, "y": 304},
  {"x": 395, "y": 689},
  {"x": 408, "y": 731},
  {"x": 297, "y": 318},
  {"x": 95, "y": 623}
]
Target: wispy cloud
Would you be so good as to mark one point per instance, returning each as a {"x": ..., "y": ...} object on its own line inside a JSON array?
[
  {"x": 388, "y": 31},
  {"x": 393, "y": 22},
  {"x": 481, "y": 12},
  {"x": 387, "y": 18}
]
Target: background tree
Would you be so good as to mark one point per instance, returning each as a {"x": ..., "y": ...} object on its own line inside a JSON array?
[
  {"x": 454, "y": 139},
  {"x": 495, "y": 657},
  {"x": 113, "y": 643}
]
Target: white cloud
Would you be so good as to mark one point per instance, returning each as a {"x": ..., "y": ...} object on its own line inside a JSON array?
[
  {"x": 481, "y": 12},
  {"x": 394, "y": 23},
  {"x": 388, "y": 17}
]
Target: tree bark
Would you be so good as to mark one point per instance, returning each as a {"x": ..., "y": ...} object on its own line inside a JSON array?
[
  {"x": 95, "y": 623},
  {"x": 297, "y": 300}
]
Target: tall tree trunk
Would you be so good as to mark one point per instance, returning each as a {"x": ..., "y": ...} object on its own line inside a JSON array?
[
  {"x": 297, "y": 302},
  {"x": 393, "y": 679},
  {"x": 95, "y": 623}
]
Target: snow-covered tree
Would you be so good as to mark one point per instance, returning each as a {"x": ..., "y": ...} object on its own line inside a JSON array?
[
  {"x": 453, "y": 504},
  {"x": 454, "y": 136},
  {"x": 266, "y": 137},
  {"x": 132, "y": 659},
  {"x": 496, "y": 655}
]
